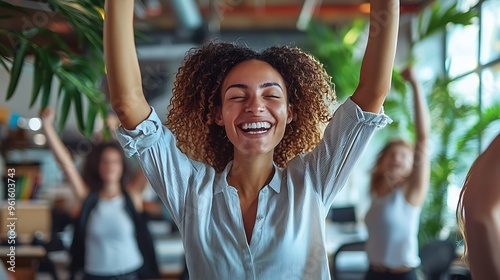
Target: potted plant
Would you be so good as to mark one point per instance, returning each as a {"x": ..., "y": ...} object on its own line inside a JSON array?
[{"x": 78, "y": 67}]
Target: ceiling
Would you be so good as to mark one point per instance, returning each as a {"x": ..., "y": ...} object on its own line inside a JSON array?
[
  {"x": 191, "y": 21},
  {"x": 215, "y": 15},
  {"x": 252, "y": 14},
  {"x": 164, "y": 17}
]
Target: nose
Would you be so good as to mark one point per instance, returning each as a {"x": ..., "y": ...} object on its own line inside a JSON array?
[{"x": 255, "y": 105}]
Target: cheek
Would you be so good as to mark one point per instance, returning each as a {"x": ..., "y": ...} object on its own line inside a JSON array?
[
  {"x": 117, "y": 167},
  {"x": 227, "y": 112},
  {"x": 384, "y": 162},
  {"x": 409, "y": 162},
  {"x": 282, "y": 110}
]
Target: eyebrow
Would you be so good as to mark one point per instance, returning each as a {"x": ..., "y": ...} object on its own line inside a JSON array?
[{"x": 264, "y": 85}]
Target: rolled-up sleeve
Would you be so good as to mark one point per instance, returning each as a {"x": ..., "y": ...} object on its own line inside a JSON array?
[
  {"x": 351, "y": 110},
  {"x": 135, "y": 141}
]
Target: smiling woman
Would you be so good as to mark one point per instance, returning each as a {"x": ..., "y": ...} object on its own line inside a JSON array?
[
  {"x": 256, "y": 110},
  {"x": 240, "y": 163},
  {"x": 230, "y": 70}
]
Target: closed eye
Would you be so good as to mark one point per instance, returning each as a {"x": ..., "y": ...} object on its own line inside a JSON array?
[
  {"x": 236, "y": 97},
  {"x": 273, "y": 94},
  {"x": 272, "y": 97}
]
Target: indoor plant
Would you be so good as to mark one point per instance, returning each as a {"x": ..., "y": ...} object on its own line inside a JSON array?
[{"x": 78, "y": 67}]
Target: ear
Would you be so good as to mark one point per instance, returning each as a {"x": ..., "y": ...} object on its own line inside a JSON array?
[
  {"x": 218, "y": 116},
  {"x": 290, "y": 114}
]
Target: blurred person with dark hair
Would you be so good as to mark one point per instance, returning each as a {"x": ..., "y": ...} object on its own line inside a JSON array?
[{"x": 111, "y": 239}]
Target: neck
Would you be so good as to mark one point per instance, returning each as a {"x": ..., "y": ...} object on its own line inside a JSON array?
[
  {"x": 385, "y": 184},
  {"x": 110, "y": 190},
  {"x": 250, "y": 174}
]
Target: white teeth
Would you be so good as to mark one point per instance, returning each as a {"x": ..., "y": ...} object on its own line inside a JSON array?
[
  {"x": 256, "y": 132},
  {"x": 256, "y": 125}
]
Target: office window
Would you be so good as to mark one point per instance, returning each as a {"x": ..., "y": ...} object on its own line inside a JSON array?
[
  {"x": 489, "y": 134},
  {"x": 490, "y": 91},
  {"x": 467, "y": 4},
  {"x": 490, "y": 94},
  {"x": 477, "y": 83},
  {"x": 466, "y": 89},
  {"x": 490, "y": 31},
  {"x": 462, "y": 46}
]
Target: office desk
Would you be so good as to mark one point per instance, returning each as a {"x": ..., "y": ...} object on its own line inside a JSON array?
[
  {"x": 170, "y": 253},
  {"x": 339, "y": 234},
  {"x": 27, "y": 258}
]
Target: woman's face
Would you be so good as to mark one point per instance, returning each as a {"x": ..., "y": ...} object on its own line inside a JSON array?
[
  {"x": 397, "y": 161},
  {"x": 254, "y": 110},
  {"x": 111, "y": 166}
]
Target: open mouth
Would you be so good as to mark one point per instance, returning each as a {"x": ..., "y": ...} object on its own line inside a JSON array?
[{"x": 255, "y": 127}]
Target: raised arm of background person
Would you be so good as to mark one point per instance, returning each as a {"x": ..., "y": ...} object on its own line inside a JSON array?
[
  {"x": 481, "y": 206},
  {"x": 376, "y": 68},
  {"x": 62, "y": 154},
  {"x": 122, "y": 66},
  {"x": 417, "y": 185}
]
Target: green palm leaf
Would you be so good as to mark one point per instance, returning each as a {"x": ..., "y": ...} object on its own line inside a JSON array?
[
  {"x": 4, "y": 64},
  {"x": 489, "y": 116},
  {"x": 38, "y": 72},
  {"x": 77, "y": 101},
  {"x": 65, "y": 106},
  {"x": 17, "y": 66},
  {"x": 440, "y": 17},
  {"x": 91, "y": 116}
]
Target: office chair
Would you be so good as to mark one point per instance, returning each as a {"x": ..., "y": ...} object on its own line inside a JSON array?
[
  {"x": 436, "y": 258},
  {"x": 357, "y": 272}
]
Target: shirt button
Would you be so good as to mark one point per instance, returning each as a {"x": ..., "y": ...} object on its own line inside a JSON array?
[{"x": 264, "y": 190}]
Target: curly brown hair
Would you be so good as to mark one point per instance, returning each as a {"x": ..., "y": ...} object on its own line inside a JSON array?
[{"x": 197, "y": 95}]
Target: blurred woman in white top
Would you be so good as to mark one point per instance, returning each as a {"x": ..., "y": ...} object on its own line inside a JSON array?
[{"x": 399, "y": 185}]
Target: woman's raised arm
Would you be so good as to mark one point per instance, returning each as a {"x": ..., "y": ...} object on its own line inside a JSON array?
[
  {"x": 376, "y": 68},
  {"x": 62, "y": 155},
  {"x": 122, "y": 66},
  {"x": 419, "y": 180}
]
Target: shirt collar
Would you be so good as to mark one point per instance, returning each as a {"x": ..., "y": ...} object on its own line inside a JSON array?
[
  {"x": 275, "y": 183},
  {"x": 221, "y": 182}
]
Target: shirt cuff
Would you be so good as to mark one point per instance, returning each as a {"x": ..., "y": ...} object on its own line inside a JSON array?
[
  {"x": 137, "y": 140},
  {"x": 379, "y": 120}
]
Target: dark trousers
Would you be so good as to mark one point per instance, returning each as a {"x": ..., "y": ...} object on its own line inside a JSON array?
[
  {"x": 127, "y": 276},
  {"x": 376, "y": 275}
]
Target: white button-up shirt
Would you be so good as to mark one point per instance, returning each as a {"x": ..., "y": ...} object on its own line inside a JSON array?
[{"x": 288, "y": 239}]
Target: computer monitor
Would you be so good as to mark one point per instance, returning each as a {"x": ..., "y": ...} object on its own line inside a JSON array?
[{"x": 346, "y": 214}]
